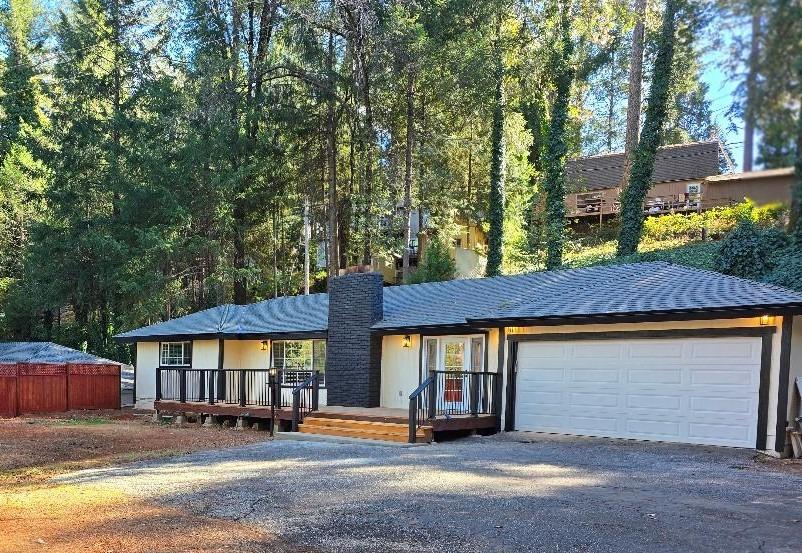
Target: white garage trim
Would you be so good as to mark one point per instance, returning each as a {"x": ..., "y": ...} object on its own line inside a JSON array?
[{"x": 760, "y": 357}]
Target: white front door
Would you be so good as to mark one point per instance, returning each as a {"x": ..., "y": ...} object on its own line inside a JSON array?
[
  {"x": 691, "y": 390},
  {"x": 454, "y": 360}
]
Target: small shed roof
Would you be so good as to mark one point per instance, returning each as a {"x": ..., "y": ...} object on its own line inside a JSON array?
[{"x": 47, "y": 352}]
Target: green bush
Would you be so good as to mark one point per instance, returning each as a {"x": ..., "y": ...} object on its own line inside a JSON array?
[
  {"x": 750, "y": 251},
  {"x": 718, "y": 221},
  {"x": 437, "y": 264},
  {"x": 787, "y": 270}
]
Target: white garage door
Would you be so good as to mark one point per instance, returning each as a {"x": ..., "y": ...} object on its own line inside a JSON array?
[{"x": 691, "y": 390}]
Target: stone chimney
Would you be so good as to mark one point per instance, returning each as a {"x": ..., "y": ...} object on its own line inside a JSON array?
[{"x": 353, "y": 352}]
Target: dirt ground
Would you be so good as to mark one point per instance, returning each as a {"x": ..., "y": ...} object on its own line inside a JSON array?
[{"x": 38, "y": 515}]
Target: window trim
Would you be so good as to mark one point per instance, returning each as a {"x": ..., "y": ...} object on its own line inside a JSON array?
[
  {"x": 186, "y": 353},
  {"x": 441, "y": 339},
  {"x": 311, "y": 359}
]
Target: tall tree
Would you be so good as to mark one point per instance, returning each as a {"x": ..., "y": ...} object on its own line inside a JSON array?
[
  {"x": 495, "y": 235},
  {"x": 556, "y": 150},
  {"x": 635, "y": 85},
  {"x": 751, "y": 90},
  {"x": 643, "y": 162}
]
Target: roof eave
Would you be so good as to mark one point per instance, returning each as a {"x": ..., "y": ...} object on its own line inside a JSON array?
[{"x": 732, "y": 312}]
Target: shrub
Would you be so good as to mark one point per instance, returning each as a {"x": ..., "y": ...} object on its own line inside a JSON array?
[
  {"x": 437, "y": 264},
  {"x": 788, "y": 269},
  {"x": 750, "y": 251}
]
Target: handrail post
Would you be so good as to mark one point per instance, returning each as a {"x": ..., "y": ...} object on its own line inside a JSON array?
[
  {"x": 413, "y": 419},
  {"x": 433, "y": 396},
  {"x": 158, "y": 384},
  {"x": 316, "y": 391},
  {"x": 242, "y": 398},
  {"x": 296, "y": 408},
  {"x": 211, "y": 376},
  {"x": 182, "y": 385},
  {"x": 474, "y": 394}
]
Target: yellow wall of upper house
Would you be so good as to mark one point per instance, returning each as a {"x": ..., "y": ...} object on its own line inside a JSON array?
[{"x": 774, "y": 379}]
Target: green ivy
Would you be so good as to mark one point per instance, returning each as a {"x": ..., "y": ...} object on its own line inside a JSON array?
[
  {"x": 750, "y": 251},
  {"x": 495, "y": 235},
  {"x": 640, "y": 177},
  {"x": 556, "y": 149}
]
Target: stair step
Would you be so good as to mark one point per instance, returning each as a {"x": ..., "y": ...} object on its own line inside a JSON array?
[
  {"x": 383, "y": 429},
  {"x": 358, "y": 433},
  {"x": 319, "y": 421}
]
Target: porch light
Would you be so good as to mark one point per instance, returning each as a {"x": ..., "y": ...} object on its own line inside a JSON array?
[
  {"x": 263, "y": 345},
  {"x": 272, "y": 371},
  {"x": 406, "y": 341},
  {"x": 766, "y": 320}
]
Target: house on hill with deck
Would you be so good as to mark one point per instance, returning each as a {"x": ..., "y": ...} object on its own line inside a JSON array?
[{"x": 649, "y": 351}]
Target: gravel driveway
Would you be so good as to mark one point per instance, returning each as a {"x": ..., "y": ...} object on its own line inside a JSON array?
[{"x": 484, "y": 494}]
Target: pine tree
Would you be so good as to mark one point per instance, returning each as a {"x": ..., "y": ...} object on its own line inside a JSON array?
[{"x": 643, "y": 161}]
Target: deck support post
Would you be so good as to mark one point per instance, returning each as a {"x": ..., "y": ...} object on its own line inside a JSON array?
[
  {"x": 432, "y": 407},
  {"x": 180, "y": 419},
  {"x": 210, "y": 421},
  {"x": 157, "y": 416},
  {"x": 182, "y": 386},
  {"x": 242, "y": 423},
  {"x": 474, "y": 394},
  {"x": 242, "y": 390},
  {"x": 158, "y": 384}
]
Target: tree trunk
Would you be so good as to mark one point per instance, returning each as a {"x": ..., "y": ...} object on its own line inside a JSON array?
[
  {"x": 410, "y": 97},
  {"x": 640, "y": 179},
  {"x": 635, "y": 86},
  {"x": 495, "y": 235},
  {"x": 556, "y": 149},
  {"x": 331, "y": 155},
  {"x": 751, "y": 85}
]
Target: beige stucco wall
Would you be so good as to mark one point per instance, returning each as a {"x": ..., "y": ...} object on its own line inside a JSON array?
[
  {"x": 204, "y": 354},
  {"x": 245, "y": 354},
  {"x": 716, "y": 323},
  {"x": 147, "y": 361},
  {"x": 796, "y": 367},
  {"x": 399, "y": 371}
]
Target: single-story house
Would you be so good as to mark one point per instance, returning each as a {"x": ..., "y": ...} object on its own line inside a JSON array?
[
  {"x": 650, "y": 351},
  {"x": 766, "y": 186}
]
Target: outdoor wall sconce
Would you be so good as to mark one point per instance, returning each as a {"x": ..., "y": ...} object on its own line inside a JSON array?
[
  {"x": 766, "y": 320},
  {"x": 406, "y": 341},
  {"x": 264, "y": 345}
]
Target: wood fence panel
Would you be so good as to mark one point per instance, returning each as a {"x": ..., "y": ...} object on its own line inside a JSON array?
[
  {"x": 93, "y": 386},
  {"x": 8, "y": 390},
  {"x": 42, "y": 388}
]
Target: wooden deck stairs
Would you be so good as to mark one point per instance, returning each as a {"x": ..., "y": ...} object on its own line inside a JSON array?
[{"x": 369, "y": 427}]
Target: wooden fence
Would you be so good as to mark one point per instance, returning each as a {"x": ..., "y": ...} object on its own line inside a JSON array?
[{"x": 57, "y": 387}]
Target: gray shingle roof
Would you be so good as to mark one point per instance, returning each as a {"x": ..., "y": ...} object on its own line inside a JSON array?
[
  {"x": 294, "y": 314},
  {"x": 46, "y": 352},
  {"x": 675, "y": 163},
  {"x": 636, "y": 288}
]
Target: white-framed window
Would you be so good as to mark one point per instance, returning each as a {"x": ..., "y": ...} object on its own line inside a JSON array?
[
  {"x": 297, "y": 359},
  {"x": 176, "y": 354},
  {"x": 454, "y": 353}
]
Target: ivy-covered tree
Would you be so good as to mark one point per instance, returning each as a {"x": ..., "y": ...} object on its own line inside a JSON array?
[
  {"x": 640, "y": 177},
  {"x": 495, "y": 235},
  {"x": 556, "y": 150}
]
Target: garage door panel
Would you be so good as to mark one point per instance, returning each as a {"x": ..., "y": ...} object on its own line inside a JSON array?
[
  {"x": 598, "y": 350},
  {"x": 655, "y": 376},
  {"x": 547, "y": 351},
  {"x": 594, "y": 376},
  {"x": 655, "y": 401},
  {"x": 666, "y": 389}
]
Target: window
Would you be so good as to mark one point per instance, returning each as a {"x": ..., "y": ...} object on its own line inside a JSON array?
[
  {"x": 176, "y": 354},
  {"x": 297, "y": 359}
]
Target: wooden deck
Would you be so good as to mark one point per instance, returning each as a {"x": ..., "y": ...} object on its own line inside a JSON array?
[{"x": 368, "y": 414}]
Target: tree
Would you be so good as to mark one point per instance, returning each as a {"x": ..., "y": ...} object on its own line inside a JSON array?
[
  {"x": 495, "y": 235},
  {"x": 556, "y": 150},
  {"x": 643, "y": 162},
  {"x": 635, "y": 84},
  {"x": 437, "y": 265}
]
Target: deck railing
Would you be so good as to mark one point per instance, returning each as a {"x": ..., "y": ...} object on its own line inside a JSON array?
[
  {"x": 305, "y": 399},
  {"x": 242, "y": 387},
  {"x": 453, "y": 393}
]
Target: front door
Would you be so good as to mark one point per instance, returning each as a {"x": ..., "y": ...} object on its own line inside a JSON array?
[{"x": 454, "y": 360}]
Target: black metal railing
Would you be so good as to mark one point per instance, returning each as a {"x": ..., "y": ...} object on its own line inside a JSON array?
[
  {"x": 305, "y": 399},
  {"x": 453, "y": 393},
  {"x": 243, "y": 387}
]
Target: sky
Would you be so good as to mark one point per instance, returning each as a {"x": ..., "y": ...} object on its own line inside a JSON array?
[{"x": 721, "y": 93}]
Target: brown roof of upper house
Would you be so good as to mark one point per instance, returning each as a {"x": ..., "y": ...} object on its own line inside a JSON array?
[{"x": 675, "y": 163}]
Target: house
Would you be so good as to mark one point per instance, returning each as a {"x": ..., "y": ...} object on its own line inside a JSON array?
[
  {"x": 43, "y": 377},
  {"x": 468, "y": 250},
  {"x": 650, "y": 351},
  {"x": 594, "y": 182}
]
